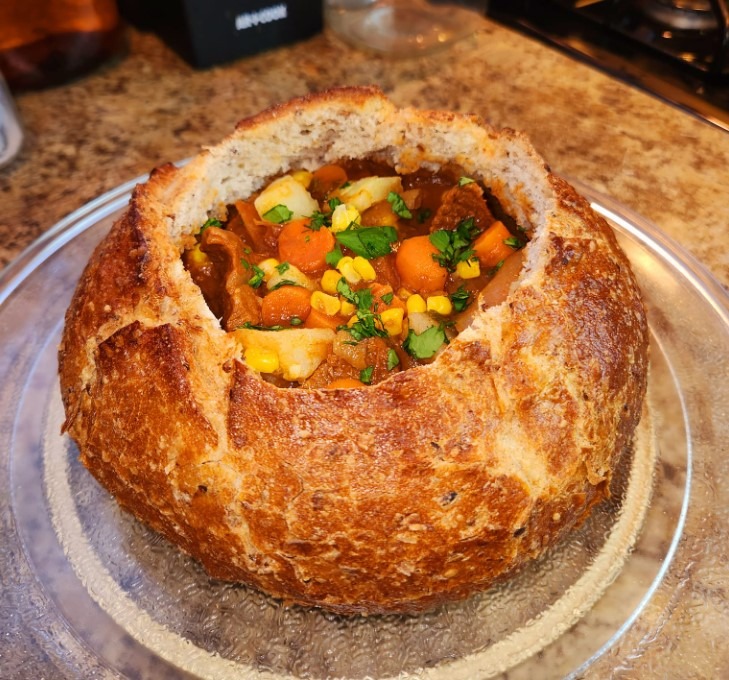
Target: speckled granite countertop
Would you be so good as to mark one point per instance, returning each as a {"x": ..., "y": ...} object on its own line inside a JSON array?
[{"x": 85, "y": 138}]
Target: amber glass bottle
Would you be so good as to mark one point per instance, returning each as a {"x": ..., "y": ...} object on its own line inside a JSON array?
[{"x": 47, "y": 42}]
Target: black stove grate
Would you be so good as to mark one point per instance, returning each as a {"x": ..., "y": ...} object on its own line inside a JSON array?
[{"x": 688, "y": 67}]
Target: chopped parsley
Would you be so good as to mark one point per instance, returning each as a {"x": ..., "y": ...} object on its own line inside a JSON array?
[
  {"x": 369, "y": 242},
  {"x": 392, "y": 359},
  {"x": 333, "y": 203},
  {"x": 278, "y": 214},
  {"x": 361, "y": 299},
  {"x": 259, "y": 327},
  {"x": 210, "y": 222},
  {"x": 368, "y": 324},
  {"x": 513, "y": 242},
  {"x": 282, "y": 268},
  {"x": 454, "y": 245},
  {"x": 398, "y": 205},
  {"x": 424, "y": 214},
  {"x": 465, "y": 180},
  {"x": 333, "y": 256},
  {"x": 365, "y": 375},
  {"x": 460, "y": 299},
  {"x": 282, "y": 283},
  {"x": 319, "y": 219},
  {"x": 387, "y": 298},
  {"x": 257, "y": 278},
  {"x": 424, "y": 345}
]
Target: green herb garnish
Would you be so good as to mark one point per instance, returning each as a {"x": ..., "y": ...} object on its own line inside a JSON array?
[
  {"x": 333, "y": 256},
  {"x": 333, "y": 203},
  {"x": 465, "y": 180},
  {"x": 424, "y": 214},
  {"x": 278, "y": 214},
  {"x": 258, "y": 327},
  {"x": 454, "y": 245},
  {"x": 282, "y": 283},
  {"x": 387, "y": 298},
  {"x": 424, "y": 345},
  {"x": 513, "y": 242},
  {"x": 365, "y": 375},
  {"x": 257, "y": 279},
  {"x": 282, "y": 267},
  {"x": 368, "y": 324},
  {"x": 210, "y": 222},
  {"x": 369, "y": 242},
  {"x": 319, "y": 220},
  {"x": 258, "y": 273},
  {"x": 392, "y": 359},
  {"x": 398, "y": 205},
  {"x": 460, "y": 299},
  {"x": 361, "y": 299}
]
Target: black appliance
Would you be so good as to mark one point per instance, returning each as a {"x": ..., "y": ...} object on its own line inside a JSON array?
[{"x": 677, "y": 50}]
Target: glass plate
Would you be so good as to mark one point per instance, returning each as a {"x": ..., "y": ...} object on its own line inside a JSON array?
[{"x": 89, "y": 592}]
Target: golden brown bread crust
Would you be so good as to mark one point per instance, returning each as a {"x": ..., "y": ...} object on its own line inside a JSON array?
[{"x": 418, "y": 490}]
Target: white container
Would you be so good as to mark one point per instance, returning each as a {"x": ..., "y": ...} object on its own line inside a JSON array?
[{"x": 11, "y": 134}]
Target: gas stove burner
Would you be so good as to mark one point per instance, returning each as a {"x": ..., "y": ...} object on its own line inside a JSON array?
[
  {"x": 677, "y": 50},
  {"x": 682, "y": 15}
]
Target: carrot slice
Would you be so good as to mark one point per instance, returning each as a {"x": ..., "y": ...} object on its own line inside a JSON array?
[
  {"x": 304, "y": 247},
  {"x": 326, "y": 179},
  {"x": 416, "y": 266},
  {"x": 317, "y": 319},
  {"x": 344, "y": 382},
  {"x": 281, "y": 306},
  {"x": 490, "y": 247},
  {"x": 380, "y": 290}
]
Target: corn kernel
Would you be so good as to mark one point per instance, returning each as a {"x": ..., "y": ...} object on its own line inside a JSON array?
[
  {"x": 262, "y": 360},
  {"x": 415, "y": 304},
  {"x": 469, "y": 269},
  {"x": 392, "y": 320},
  {"x": 439, "y": 304},
  {"x": 327, "y": 304},
  {"x": 343, "y": 216},
  {"x": 364, "y": 268},
  {"x": 347, "y": 308},
  {"x": 269, "y": 267},
  {"x": 329, "y": 281},
  {"x": 346, "y": 266},
  {"x": 303, "y": 177},
  {"x": 343, "y": 261},
  {"x": 196, "y": 256}
]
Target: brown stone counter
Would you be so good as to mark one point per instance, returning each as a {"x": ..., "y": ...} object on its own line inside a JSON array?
[{"x": 87, "y": 137}]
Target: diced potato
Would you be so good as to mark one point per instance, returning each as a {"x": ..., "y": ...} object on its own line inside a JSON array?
[
  {"x": 300, "y": 351},
  {"x": 286, "y": 191},
  {"x": 355, "y": 354},
  {"x": 276, "y": 277},
  {"x": 421, "y": 322},
  {"x": 369, "y": 190}
]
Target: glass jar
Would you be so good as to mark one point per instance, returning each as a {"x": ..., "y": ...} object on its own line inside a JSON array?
[
  {"x": 403, "y": 27},
  {"x": 47, "y": 42}
]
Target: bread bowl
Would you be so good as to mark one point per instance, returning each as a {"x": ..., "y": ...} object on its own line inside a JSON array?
[{"x": 422, "y": 488}]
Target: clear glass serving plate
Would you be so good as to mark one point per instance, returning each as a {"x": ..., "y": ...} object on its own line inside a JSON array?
[{"x": 89, "y": 592}]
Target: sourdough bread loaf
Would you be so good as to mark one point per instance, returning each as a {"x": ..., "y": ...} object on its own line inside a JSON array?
[{"x": 421, "y": 489}]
